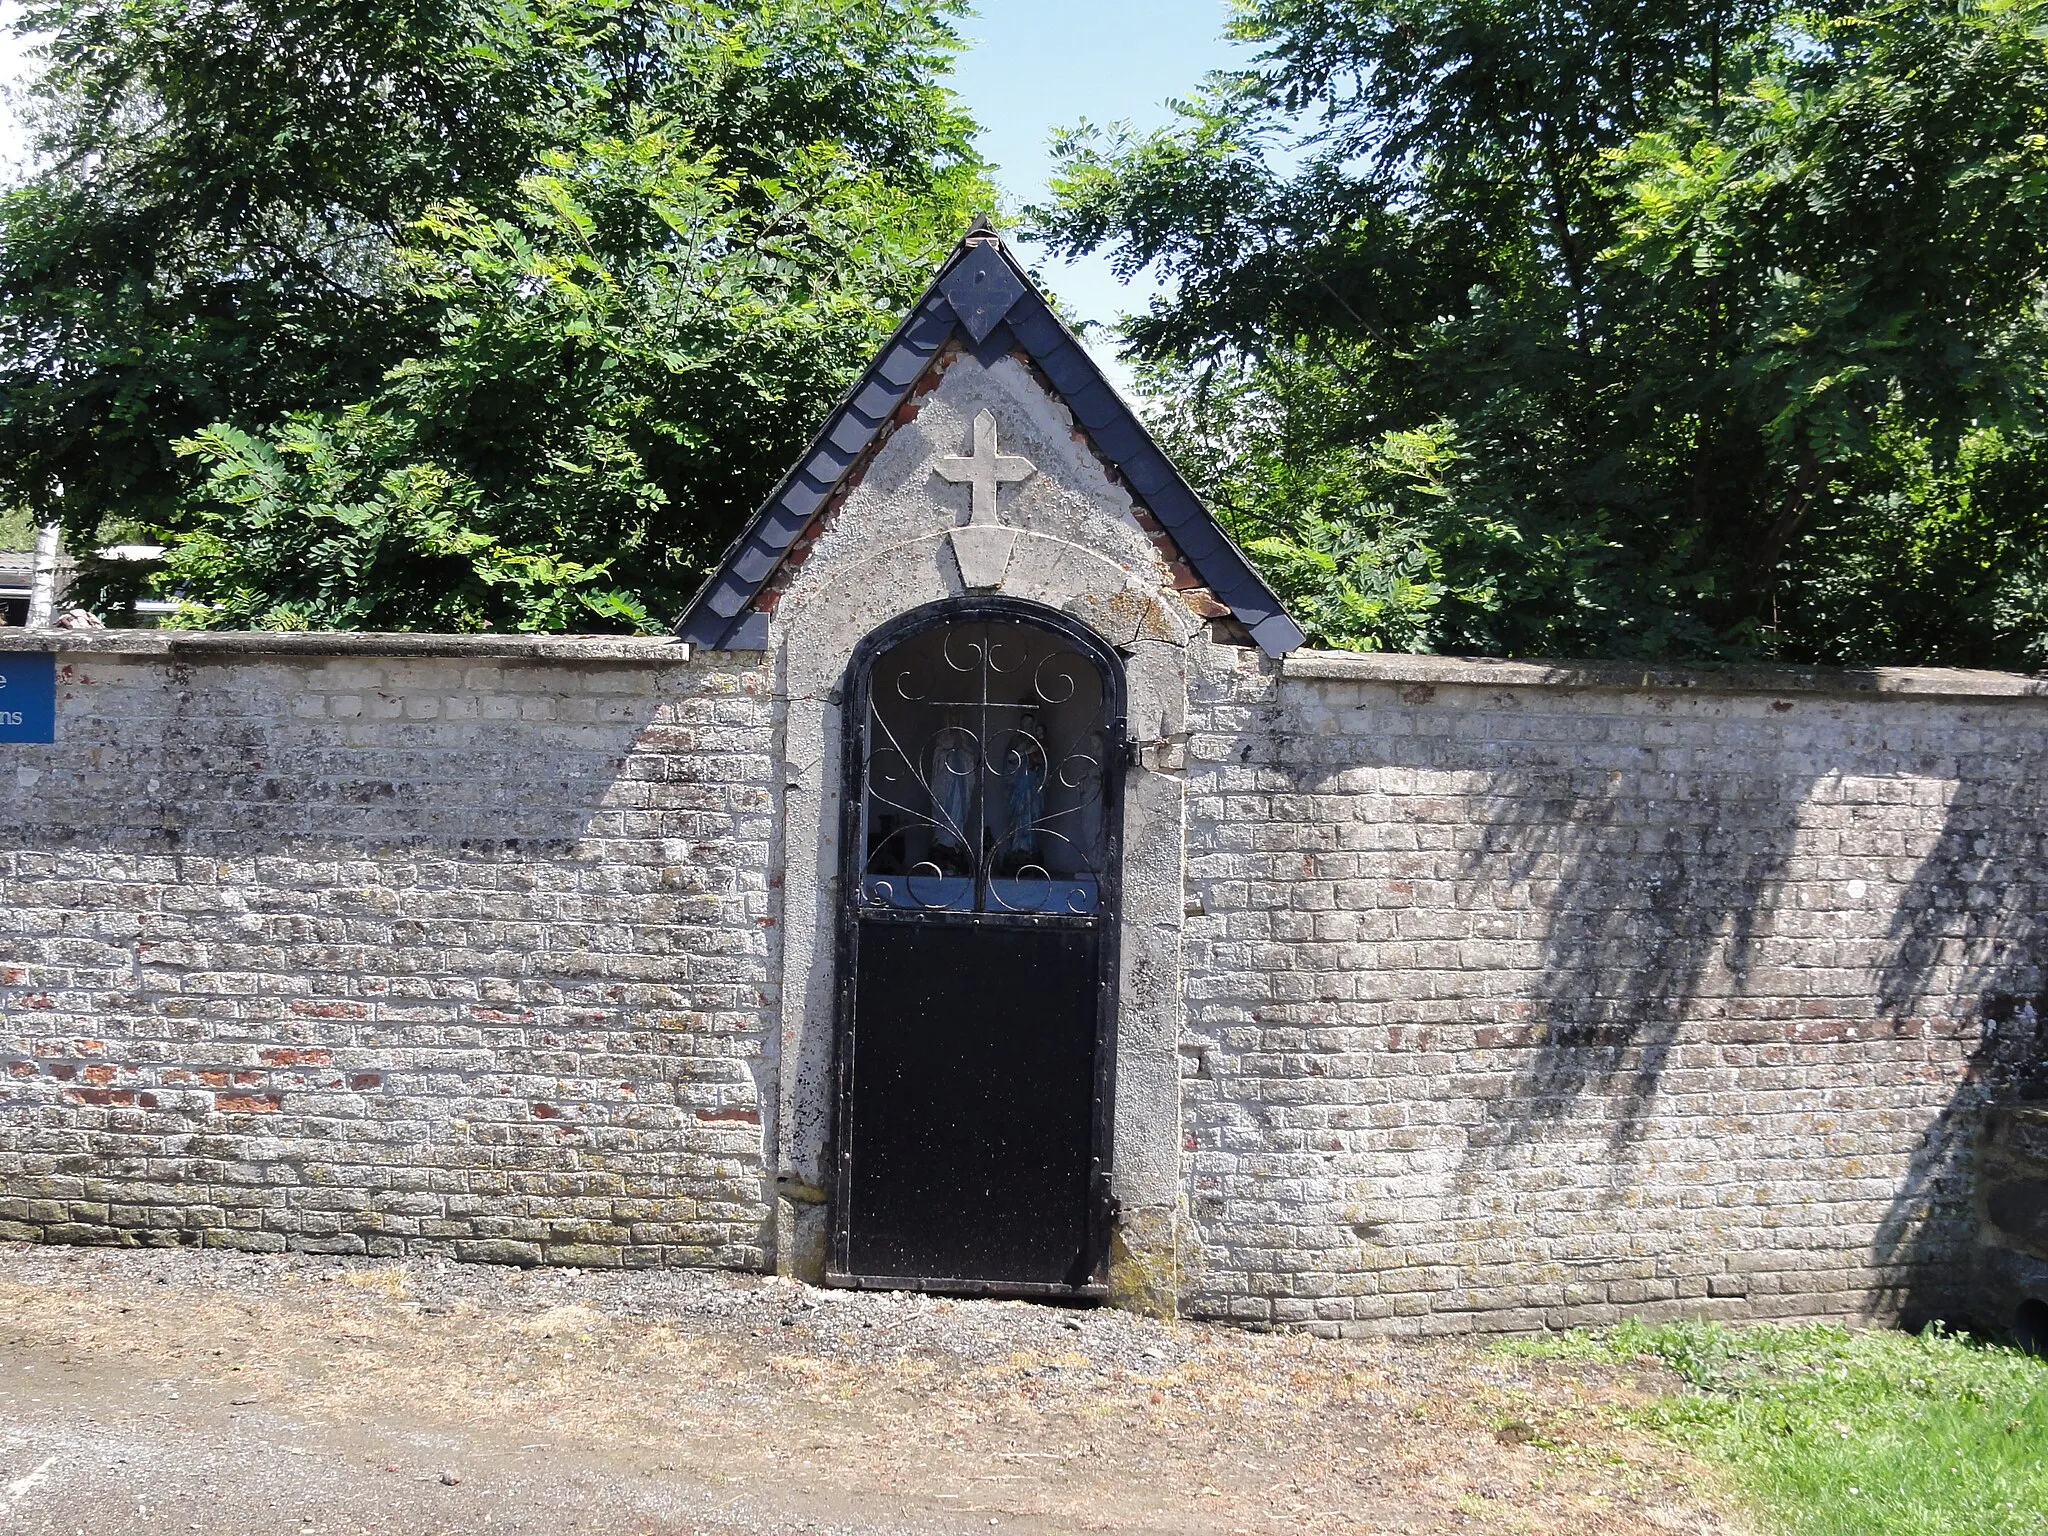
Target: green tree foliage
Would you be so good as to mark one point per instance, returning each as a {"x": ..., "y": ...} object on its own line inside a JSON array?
[
  {"x": 458, "y": 313},
  {"x": 1691, "y": 328},
  {"x": 213, "y": 237}
]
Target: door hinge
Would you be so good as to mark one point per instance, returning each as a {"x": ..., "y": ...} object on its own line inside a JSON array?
[{"x": 1127, "y": 745}]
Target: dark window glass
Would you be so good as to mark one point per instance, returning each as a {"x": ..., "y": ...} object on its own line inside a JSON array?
[{"x": 984, "y": 763}]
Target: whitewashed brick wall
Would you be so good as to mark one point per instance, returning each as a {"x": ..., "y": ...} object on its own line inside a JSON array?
[
  {"x": 1521, "y": 1006},
  {"x": 386, "y": 953}
]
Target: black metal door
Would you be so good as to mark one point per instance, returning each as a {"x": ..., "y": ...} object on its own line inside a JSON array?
[{"x": 978, "y": 955}]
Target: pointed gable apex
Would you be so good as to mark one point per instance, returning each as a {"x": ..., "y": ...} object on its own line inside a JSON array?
[{"x": 980, "y": 287}]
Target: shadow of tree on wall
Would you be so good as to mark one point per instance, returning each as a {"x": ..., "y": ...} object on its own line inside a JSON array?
[
  {"x": 1655, "y": 906},
  {"x": 1969, "y": 960},
  {"x": 1664, "y": 913}
]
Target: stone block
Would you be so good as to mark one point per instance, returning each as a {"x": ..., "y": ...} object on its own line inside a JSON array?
[{"x": 495, "y": 1250}]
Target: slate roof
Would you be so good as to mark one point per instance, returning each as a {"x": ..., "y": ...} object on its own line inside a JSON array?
[{"x": 980, "y": 288}]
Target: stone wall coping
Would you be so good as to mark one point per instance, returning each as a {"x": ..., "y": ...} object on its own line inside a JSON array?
[
  {"x": 268, "y": 645},
  {"x": 1488, "y": 672}
]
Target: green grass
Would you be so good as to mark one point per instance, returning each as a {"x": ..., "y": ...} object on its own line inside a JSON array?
[{"x": 1833, "y": 1433}]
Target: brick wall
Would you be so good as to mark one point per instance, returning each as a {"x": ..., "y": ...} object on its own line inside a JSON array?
[
  {"x": 377, "y": 953},
  {"x": 1513, "y": 998},
  {"x": 1515, "y": 1006}
]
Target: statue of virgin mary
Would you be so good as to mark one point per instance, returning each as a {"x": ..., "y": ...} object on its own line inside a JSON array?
[{"x": 1024, "y": 778}]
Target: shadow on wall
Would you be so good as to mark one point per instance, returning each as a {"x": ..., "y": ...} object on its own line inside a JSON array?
[
  {"x": 1654, "y": 911},
  {"x": 239, "y": 760},
  {"x": 1664, "y": 914},
  {"x": 1969, "y": 943},
  {"x": 535, "y": 832}
]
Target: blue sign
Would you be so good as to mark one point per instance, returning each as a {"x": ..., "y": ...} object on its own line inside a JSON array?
[{"x": 28, "y": 696}]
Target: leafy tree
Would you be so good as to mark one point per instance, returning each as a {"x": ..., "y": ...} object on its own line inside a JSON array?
[
  {"x": 459, "y": 314},
  {"x": 1721, "y": 321},
  {"x": 211, "y": 238}
]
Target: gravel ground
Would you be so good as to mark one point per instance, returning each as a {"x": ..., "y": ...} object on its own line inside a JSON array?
[{"x": 167, "y": 1391}]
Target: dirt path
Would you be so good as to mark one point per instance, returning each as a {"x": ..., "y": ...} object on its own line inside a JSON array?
[{"x": 176, "y": 1391}]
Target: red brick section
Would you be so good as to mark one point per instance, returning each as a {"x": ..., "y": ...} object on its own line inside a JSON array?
[
  {"x": 731, "y": 1112},
  {"x": 248, "y": 1103},
  {"x": 303, "y": 1009}
]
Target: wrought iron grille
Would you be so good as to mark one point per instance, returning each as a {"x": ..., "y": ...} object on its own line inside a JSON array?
[{"x": 984, "y": 775}]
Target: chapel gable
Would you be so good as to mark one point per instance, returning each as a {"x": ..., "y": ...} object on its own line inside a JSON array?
[{"x": 980, "y": 309}]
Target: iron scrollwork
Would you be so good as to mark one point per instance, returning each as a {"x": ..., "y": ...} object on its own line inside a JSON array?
[{"x": 984, "y": 778}]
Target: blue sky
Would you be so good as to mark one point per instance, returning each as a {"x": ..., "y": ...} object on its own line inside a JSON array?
[{"x": 1032, "y": 65}]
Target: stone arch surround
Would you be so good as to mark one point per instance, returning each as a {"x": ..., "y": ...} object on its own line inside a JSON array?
[{"x": 1079, "y": 551}]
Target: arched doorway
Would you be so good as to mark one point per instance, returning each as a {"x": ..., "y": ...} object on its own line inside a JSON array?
[{"x": 979, "y": 899}]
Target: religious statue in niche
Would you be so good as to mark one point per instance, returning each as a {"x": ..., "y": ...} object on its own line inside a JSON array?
[
  {"x": 955, "y": 765},
  {"x": 1023, "y": 773},
  {"x": 1081, "y": 772},
  {"x": 985, "y": 774}
]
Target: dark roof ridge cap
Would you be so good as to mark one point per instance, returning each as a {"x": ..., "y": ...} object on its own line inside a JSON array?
[{"x": 1284, "y": 629}]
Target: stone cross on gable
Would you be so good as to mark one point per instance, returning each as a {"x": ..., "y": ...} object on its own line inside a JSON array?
[{"x": 986, "y": 468}]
